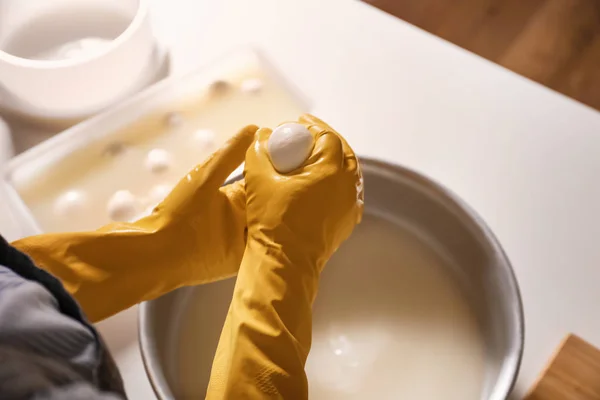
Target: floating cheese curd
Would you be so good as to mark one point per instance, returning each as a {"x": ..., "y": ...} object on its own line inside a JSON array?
[
  {"x": 252, "y": 86},
  {"x": 70, "y": 203},
  {"x": 158, "y": 160},
  {"x": 122, "y": 206},
  {"x": 205, "y": 138}
]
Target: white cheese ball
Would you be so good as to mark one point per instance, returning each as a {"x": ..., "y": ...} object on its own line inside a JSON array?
[
  {"x": 252, "y": 86},
  {"x": 70, "y": 204},
  {"x": 158, "y": 160},
  {"x": 205, "y": 138},
  {"x": 122, "y": 206},
  {"x": 289, "y": 146}
]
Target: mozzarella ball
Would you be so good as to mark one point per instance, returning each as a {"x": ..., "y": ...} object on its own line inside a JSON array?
[
  {"x": 70, "y": 204},
  {"x": 205, "y": 138},
  {"x": 158, "y": 160},
  {"x": 252, "y": 86},
  {"x": 289, "y": 146},
  {"x": 122, "y": 206}
]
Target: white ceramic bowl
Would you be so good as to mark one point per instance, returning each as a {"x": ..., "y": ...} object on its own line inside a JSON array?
[{"x": 84, "y": 82}]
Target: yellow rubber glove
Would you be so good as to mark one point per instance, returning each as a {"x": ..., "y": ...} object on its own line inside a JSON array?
[
  {"x": 295, "y": 223},
  {"x": 196, "y": 235}
]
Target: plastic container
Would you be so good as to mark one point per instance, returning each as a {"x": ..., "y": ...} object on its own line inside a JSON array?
[
  {"x": 7, "y": 150},
  {"x": 8, "y": 228},
  {"x": 68, "y": 59},
  {"x": 166, "y": 104}
]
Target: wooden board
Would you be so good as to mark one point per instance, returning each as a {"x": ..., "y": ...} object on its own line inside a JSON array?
[
  {"x": 556, "y": 36},
  {"x": 573, "y": 373},
  {"x": 553, "y": 42}
]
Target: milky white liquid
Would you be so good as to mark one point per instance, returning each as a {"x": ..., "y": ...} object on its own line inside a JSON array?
[
  {"x": 388, "y": 323},
  {"x": 188, "y": 133}
]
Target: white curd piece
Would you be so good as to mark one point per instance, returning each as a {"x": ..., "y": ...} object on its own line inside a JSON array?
[
  {"x": 205, "y": 138},
  {"x": 158, "y": 160},
  {"x": 289, "y": 146},
  {"x": 252, "y": 86},
  {"x": 70, "y": 204},
  {"x": 122, "y": 206}
]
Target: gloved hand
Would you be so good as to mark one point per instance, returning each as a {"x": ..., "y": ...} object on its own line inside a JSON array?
[
  {"x": 295, "y": 223},
  {"x": 196, "y": 235}
]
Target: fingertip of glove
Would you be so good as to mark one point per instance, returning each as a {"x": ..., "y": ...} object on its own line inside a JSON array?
[
  {"x": 236, "y": 193},
  {"x": 257, "y": 155},
  {"x": 309, "y": 119},
  {"x": 262, "y": 134},
  {"x": 318, "y": 127},
  {"x": 328, "y": 150},
  {"x": 250, "y": 130},
  {"x": 246, "y": 135}
]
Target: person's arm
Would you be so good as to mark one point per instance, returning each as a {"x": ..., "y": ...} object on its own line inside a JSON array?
[
  {"x": 196, "y": 235},
  {"x": 47, "y": 348},
  {"x": 266, "y": 338},
  {"x": 295, "y": 223}
]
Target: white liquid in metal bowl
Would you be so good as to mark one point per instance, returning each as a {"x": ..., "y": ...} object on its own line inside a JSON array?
[{"x": 389, "y": 323}]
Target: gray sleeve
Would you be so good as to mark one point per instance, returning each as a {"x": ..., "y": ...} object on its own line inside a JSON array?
[
  {"x": 77, "y": 391},
  {"x": 44, "y": 354},
  {"x": 30, "y": 320}
]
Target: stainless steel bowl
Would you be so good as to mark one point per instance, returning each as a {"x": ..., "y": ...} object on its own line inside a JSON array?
[{"x": 441, "y": 221}]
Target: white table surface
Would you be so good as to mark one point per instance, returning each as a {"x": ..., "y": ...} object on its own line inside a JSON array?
[{"x": 526, "y": 158}]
